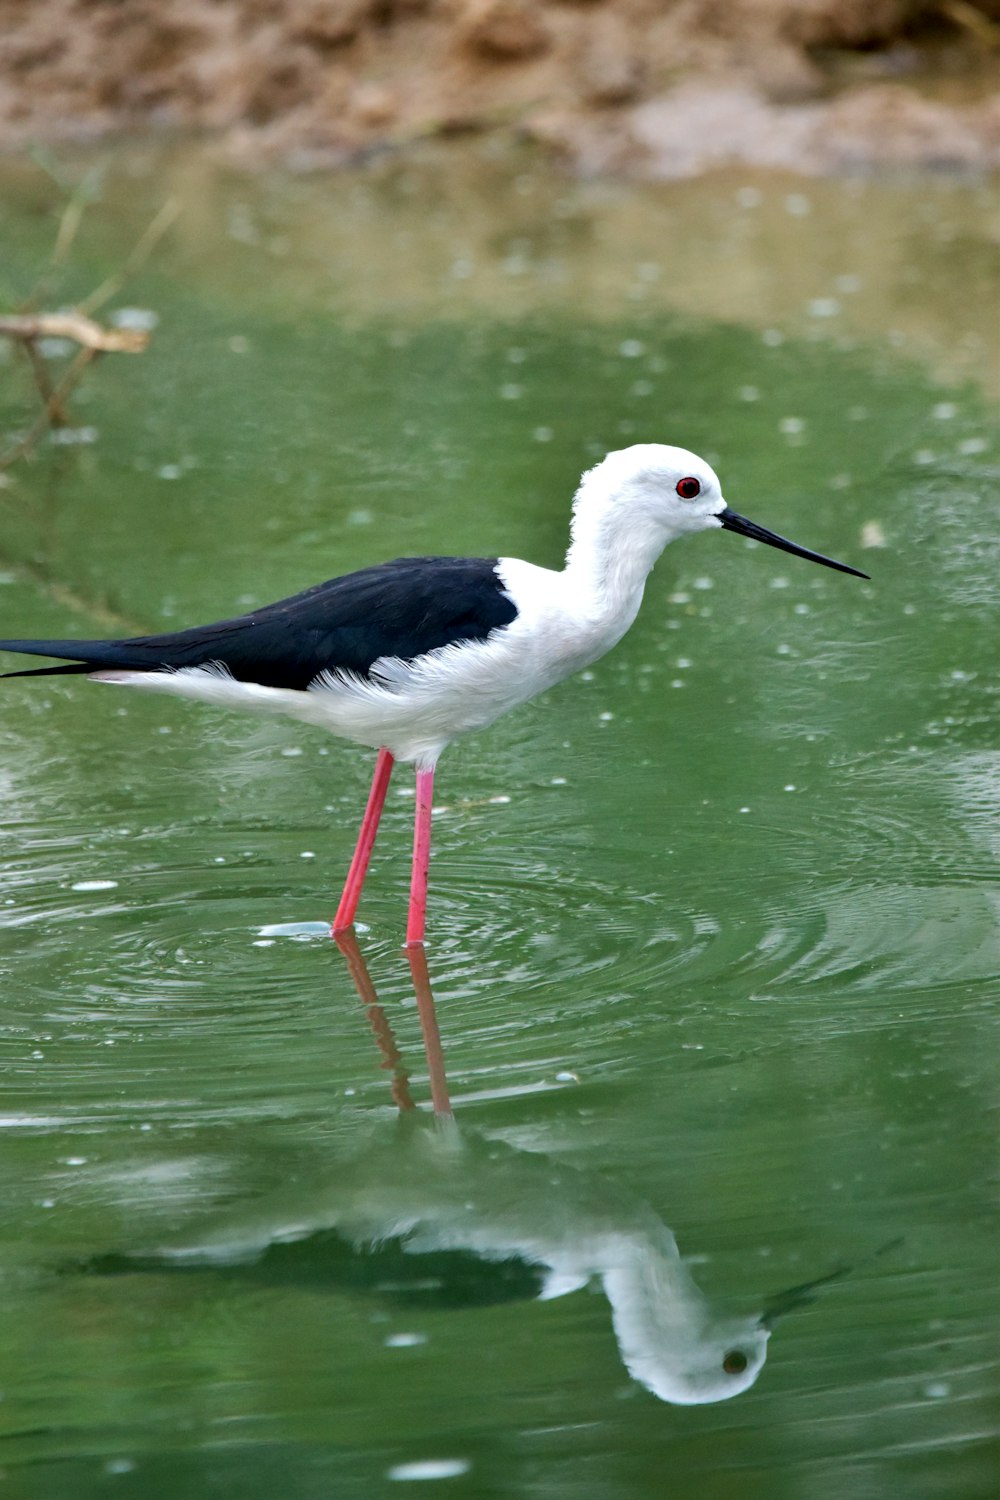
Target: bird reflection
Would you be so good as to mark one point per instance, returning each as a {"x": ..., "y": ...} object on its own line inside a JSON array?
[{"x": 430, "y": 1213}]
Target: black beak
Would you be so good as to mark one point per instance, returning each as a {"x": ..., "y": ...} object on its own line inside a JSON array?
[
  {"x": 733, "y": 522},
  {"x": 800, "y": 1296}
]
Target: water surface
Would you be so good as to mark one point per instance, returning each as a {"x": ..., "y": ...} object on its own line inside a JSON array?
[{"x": 714, "y": 928}]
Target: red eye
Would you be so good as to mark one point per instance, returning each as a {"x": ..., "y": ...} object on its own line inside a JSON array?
[{"x": 688, "y": 488}]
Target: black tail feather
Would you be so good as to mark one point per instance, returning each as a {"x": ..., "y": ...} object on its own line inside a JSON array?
[
  {"x": 84, "y": 656},
  {"x": 68, "y": 667}
]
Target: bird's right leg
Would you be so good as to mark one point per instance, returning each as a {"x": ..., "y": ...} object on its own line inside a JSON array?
[
  {"x": 366, "y": 841},
  {"x": 417, "y": 917}
]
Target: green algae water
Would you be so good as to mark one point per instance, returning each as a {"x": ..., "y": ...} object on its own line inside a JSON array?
[{"x": 714, "y": 929}]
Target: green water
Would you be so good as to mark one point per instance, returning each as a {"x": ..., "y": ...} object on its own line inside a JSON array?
[{"x": 714, "y": 930}]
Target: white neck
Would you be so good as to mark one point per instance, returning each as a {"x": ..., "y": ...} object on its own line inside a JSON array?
[{"x": 615, "y": 539}]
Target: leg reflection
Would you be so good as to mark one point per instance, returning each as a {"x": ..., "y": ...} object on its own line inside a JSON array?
[
  {"x": 417, "y": 957},
  {"x": 392, "y": 1060}
]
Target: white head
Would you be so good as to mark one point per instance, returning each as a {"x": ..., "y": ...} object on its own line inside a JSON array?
[
  {"x": 712, "y": 1364},
  {"x": 636, "y": 500},
  {"x": 670, "y": 1338},
  {"x": 672, "y": 490}
]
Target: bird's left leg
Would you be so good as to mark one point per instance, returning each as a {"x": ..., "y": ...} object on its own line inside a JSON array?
[
  {"x": 366, "y": 840},
  {"x": 417, "y": 918}
]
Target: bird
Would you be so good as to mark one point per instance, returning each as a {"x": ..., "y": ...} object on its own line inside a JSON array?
[{"x": 405, "y": 656}]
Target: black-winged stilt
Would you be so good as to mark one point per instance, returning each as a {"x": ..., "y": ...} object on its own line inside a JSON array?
[{"x": 406, "y": 655}]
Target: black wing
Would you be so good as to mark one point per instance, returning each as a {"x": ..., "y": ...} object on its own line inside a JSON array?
[{"x": 403, "y": 608}]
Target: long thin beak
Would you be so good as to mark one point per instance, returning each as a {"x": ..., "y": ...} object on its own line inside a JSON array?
[
  {"x": 733, "y": 522},
  {"x": 800, "y": 1296}
]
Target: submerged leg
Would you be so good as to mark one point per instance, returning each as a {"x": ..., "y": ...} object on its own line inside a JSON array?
[
  {"x": 417, "y": 917},
  {"x": 366, "y": 840}
]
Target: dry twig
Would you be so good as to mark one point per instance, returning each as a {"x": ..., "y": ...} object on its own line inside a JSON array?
[
  {"x": 77, "y": 325},
  {"x": 28, "y": 327}
]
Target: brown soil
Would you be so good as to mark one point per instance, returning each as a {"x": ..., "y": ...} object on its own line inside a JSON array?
[{"x": 660, "y": 87}]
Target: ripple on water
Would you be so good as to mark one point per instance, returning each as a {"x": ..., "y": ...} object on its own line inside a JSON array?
[{"x": 540, "y": 966}]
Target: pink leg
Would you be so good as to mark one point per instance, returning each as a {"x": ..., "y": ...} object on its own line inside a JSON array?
[
  {"x": 417, "y": 917},
  {"x": 366, "y": 840}
]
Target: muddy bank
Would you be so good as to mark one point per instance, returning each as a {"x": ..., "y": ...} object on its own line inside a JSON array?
[{"x": 663, "y": 88}]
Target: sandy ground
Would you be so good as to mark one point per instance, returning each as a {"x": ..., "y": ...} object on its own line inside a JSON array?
[{"x": 660, "y": 88}]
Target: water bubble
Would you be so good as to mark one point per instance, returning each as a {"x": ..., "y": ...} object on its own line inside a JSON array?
[
  {"x": 142, "y": 318},
  {"x": 300, "y": 932},
  {"x": 430, "y": 1468},
  {"x": 119, "y": 1466}
]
